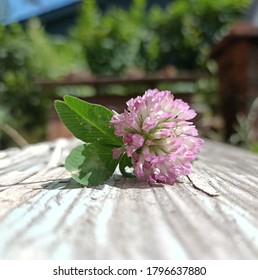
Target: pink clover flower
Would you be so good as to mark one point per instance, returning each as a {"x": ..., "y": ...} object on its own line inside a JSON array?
[{"x": 158, "y": 136}]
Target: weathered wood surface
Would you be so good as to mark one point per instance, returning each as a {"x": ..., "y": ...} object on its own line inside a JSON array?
[{"x": 46, "y": 215}]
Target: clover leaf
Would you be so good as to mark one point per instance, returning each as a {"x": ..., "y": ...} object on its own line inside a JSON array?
[{"x": 91, "y": 163}]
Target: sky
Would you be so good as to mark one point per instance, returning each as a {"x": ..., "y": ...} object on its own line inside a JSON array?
[{"x": 16, "y": 10}]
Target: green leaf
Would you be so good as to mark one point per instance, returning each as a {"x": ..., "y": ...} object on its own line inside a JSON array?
[
  {"x": 91, "y": 164},
  {"x": 124, "y": 162},
  {"x": 88, "y": 122}
]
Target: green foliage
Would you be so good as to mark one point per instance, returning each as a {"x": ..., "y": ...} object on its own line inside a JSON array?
[
  {"x": 254, "y": 147},
  {"x": 242, "y": 128},
  {"x": 52, "y": 56},
  {"x": 111, "y": 41},
  {"x": 125, "y": 162},
  {"x": 181, "y": 34},
  {"x": 20, "y": 99},
  {"x": 88, "y": 122},
  {"x": 246, "y": 129},
  {"x": 241, "y": 137},
  {"x": 91, "y": 163},
  {"x": 27, "y": 55},
  {"x": 190, "y": 28}
]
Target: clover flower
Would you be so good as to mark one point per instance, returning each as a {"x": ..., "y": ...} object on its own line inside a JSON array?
[{"x": 158, "y": 136}]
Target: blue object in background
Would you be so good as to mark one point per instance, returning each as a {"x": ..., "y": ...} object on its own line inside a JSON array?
[
  {"x": 16, "y": 11},
  {"x": 57, "y": 16}
]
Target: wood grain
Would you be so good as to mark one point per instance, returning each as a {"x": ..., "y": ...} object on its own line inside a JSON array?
[{"x": 210, "y": 214}]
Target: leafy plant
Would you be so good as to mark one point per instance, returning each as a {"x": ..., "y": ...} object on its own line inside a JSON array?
[
  {"x": 150, "y": 38},
  {"x": 27, "y": 55},
  {"x": 191, "y": 27},
  {"x": 19, "y": 96},
  {"x": 117, "y": 40},
  {"x": 246, "y": 129},
  {"x": 52, "y": 56},
  {"x": 90, "y": 123}
]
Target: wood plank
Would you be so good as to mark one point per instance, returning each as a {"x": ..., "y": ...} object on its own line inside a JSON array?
[
  {"x": 126, "y": 80},
  {"x": 46, "y": 215}
]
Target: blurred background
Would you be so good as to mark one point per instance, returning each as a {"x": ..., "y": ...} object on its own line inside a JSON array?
[{"x": 204, "y": 51}]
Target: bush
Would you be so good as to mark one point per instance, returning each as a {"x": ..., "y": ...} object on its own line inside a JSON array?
[
  {"x": 191, "y": 27},
  {"x": 111, "y": 41},
  {"x": 52, "y": 56},
  {"x": 26, "y": 56},
  {"x": 150, "y": 39},
  {"x": 20, "y": 99}
]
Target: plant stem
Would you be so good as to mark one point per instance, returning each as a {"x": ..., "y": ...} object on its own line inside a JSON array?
[{"x": 17, "y": 138}]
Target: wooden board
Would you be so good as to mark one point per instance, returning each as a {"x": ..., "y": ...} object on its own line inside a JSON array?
[{"x": 210, "y": 214}]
